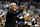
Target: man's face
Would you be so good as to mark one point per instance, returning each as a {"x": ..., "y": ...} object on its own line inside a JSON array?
[{"x": 13, "y": 7}]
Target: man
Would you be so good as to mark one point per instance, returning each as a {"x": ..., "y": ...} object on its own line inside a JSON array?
[{"x": 11, "y": 16}]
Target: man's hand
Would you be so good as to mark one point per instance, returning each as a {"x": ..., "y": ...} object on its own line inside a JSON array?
[{"x": 23, "y": 7}]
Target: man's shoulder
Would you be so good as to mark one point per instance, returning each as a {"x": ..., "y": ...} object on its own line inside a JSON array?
[{"x": 10, "y": 10}]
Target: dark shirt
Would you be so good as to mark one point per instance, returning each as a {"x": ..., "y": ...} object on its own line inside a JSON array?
[{"x": 11, "y": 18}]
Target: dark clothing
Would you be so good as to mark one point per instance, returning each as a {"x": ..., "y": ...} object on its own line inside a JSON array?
[
  {"x": 33, "y": 23},
  {"x": 20, "y": 19},
  {"x": 11, "y": 18}
]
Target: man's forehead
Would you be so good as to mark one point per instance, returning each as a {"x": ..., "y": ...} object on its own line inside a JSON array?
[{"x": 14, "y": 4}]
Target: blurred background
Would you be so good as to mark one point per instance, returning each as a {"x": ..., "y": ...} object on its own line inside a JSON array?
[{"x": 30, "y": 17}]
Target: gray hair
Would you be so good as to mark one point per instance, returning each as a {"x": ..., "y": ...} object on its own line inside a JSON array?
[{"x": 12, "y": 4}]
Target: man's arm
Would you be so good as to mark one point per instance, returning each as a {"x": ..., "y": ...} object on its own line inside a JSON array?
[{"x": 16, "y": 13}]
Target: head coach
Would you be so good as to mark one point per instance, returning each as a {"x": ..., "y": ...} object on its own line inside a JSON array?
[{"x": 11, "y": 16}]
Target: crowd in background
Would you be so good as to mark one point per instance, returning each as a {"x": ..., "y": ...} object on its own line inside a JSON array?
[{"x": 30, "y": 17}]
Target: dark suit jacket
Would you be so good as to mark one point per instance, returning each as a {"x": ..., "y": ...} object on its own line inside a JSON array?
[{"x": 11, "y": 18}]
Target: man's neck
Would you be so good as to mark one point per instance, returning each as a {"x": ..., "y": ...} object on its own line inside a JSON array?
[{"x": 14, "y": 9}]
